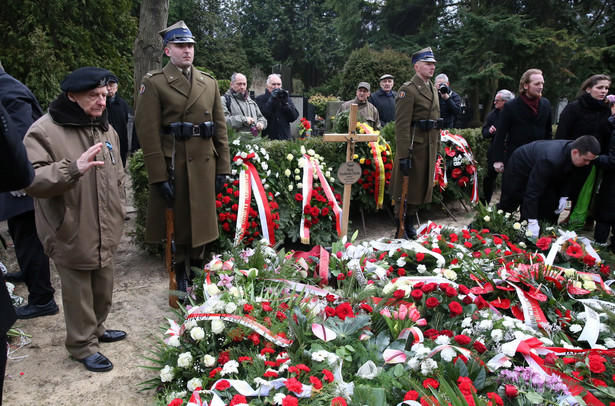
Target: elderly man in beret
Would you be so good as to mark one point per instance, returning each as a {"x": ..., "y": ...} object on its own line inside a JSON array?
[
  {"x": 79, "y": 207},
  {"x": 384, "y": 99}
]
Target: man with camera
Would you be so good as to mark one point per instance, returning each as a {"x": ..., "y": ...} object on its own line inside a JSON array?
[
  {"x": 182, "y": 131},
  {"x": 417, "y": 139},
  {"x": 450, "y": 102},
  {"x": 277, "y": 107},
  {"x": 241, "y": 112},
  {"x": 366, "y": 111}
]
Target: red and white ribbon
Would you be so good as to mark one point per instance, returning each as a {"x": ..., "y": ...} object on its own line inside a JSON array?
[{"x": 463, "y": 145}]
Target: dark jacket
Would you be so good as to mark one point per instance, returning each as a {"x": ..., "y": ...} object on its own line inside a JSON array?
[
  {"x": 450, "y": 109},
  {"x": 536, "y": 175},
  {"x": 517, "y": 126},
  {"x": 279, "y": 115},
  {"x": 492, "y": 119},
  {"x": 23, "y": 109},
  {"x": 585, "y": 116},
  {"x": 385, "y": 104},
  {"x": 118, "y": 118},
  {"x": 605, "y": 203}
]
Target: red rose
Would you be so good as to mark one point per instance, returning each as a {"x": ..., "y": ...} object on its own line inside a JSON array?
[
  {"x": 344, "y": 310},
  {"x": 329, "y": 311},
  {"x": 450, "y": 291},
  {"x": 432, "y": 302},
  {"x": 462, "y": 339},
  {"x": 455, "y": 308},
  {"x": 417, "y": 294},
  {"x": 366, "y": 307},
  {"x": 341, "y": 276},
  {"x": 330, "y": 298},
  {"x": 399, "y": 294},
  {"x": 550, "y": 358},
  {"x": 324, "y": 211},
  {"x": 589, "y": 260},
  {"x": 495, "y": 398},
  {"x": 429, "y": 287},
  {"x": 479, "y": 347},
  {"x": 511, "y": 391},
  {"x": 299, "y": 197}
]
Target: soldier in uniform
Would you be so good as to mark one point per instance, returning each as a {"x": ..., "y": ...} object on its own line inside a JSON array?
[
  {"x": 417, "y": 137},
  {"x": 181, "y": 126}
]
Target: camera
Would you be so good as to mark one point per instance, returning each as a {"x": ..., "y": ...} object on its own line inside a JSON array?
[
  {"x": 443, "y": 88},
  {"x": 279, "y": 93}
]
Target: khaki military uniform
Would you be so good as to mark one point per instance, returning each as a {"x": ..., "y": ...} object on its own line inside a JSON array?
[
  {"x": 166, "y": 97},
  {"x": 415, "y": 101}
]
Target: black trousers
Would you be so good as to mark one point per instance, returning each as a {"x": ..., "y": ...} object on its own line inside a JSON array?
[{"x": 33, "y": 261}]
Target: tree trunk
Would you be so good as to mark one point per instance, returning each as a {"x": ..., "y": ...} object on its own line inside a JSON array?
[{"x": 148, "y": 47}]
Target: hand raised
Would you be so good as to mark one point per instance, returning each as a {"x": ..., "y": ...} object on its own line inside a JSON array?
[{"x": 86, "y": 161}]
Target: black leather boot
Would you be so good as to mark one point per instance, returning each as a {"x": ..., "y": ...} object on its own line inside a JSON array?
[
  {"x": 180, "y": 277},
  {"x": 409, "y": 231}
]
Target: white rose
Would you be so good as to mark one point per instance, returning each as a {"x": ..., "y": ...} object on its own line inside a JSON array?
[
  {"x": 184, "y": 360},
  {"x": 290, "y": 188},
  {"x": 230, "y": 307},
  {"x": 174, "y": 341},
  {"x": 299, "y": 185},
  {"x": 609, "y": 342},
  {"x": 217, "y": 326},
  {"x": 302, "y": 149},
  {"x": 311, "y": 152},
  {"x": 589, "y": 285},
  {"x": 197, "y": 333},
  {"x": 166, "y": 374},
  {"x": 193, "y": 384},
  {"x": 297, "y": 177},
  {"x": 487, "y": 219},
  {"x": 287, "y": 173},
  {"x": 289, "y": 157},
  {"x": 517, "y": 226},
  {"x": 450, "y": 274},
  {"x": 421, "y": 268},
  {"x": 209, "y": 361},
  {"x": 264, "y": 165},
  {"x": 189, "y": 325},
  {"x": 211, "y": 289}
]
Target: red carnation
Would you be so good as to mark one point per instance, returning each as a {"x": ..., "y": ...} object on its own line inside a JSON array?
[
  {"x": 420, "y": 256},
  {"x": 338, "y": 401},
  {"x": 431, "y": 383},
  {"x": 266, "y": 306},
  {"x": 596, "y": 364},
  {"x": 294, "y": 385},
  {"x": 290, "y": 401},
  {"x": 316, "y": 383},
  {"x": 238, "y": 399},
  {"x": 589, "y": 260},
  {"x": 222, "y": 385},
  {"x": 176, "y": 402},
  {"x": 328, "y": 375},
  {"x": 432, "y": 302},
  {"x": 247, "y": 308},
  {"x": 543, "y": 243},
  {"x": 411, "y": 395}
]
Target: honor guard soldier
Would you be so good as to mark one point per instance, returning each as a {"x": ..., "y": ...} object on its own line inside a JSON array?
[{"x": 182, "y": 131}]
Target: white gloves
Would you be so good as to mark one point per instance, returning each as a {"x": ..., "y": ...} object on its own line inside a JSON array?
[
  {"x": 532, "y": 225},
  {"x": 562, "y": 205},
  {"x": 18, "y": 193}
]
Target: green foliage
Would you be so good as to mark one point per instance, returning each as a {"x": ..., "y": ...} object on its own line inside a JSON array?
[
  {"x": 43, "y": 44},
  {"x": 224, "y": 85},
  {"x": 140, "y": 191},
  {"x": 367, "y": 65},
  {"x": 319, "y": 101}
]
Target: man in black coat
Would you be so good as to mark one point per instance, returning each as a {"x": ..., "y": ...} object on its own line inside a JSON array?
[
  {"x": 119, "y": 113},
  {"x": 450, "y": 102},
  {"x": 536, "y": 177},
  {"x": 489, "y": 130},
  {"x": 384, "y": 99},
  {"x": 18, "y": 209},
  {"x": 278, "y": 109},
  {"x": 524, "y": 119},
  {"x": 15, "y": 173}
]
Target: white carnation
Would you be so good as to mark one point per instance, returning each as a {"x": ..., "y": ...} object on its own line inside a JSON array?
[
  {"x": 231, "y": 367},
  {"x": 428, "y": 366},
  {"x": 497, "y": 335},
  {"x": 447, "y": 354}
]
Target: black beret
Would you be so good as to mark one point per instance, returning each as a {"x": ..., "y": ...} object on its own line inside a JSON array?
[
  {"x": 83, "y": 79},
  {"x": 113, "y": 78}
]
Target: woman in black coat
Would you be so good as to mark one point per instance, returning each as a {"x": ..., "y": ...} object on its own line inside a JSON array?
[{"x": 587, "y": 115}]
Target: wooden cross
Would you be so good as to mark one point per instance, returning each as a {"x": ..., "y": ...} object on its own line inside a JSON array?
[{"x": 350, "y": 139}]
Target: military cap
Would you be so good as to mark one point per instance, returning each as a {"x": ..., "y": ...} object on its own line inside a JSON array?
[
  {"x": 424, "y": 55},
  {"x": 365, "y": 85},
  {"x": 177, "y": 33},
  {"x": 86, "y": 78},
  {"x": 387, "y": 76},
  {"x": 113, "y": 79}
]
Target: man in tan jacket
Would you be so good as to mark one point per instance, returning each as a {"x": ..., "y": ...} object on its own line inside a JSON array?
[{"x": 79, "y": 207}]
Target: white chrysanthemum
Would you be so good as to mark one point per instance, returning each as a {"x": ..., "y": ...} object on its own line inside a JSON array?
[
  {"x": 184, "y": 360},
  {"x": 447, "y": 354},
  {"x": 193, "y": 384},
  {"x": 320, "y": 356},
  {"x": 197, "y": 333},
  {"x": 167, "y": 374},
  {"x": 262, "y": 382},
  {"x": 278, "y": 398},
  {"x": 217, "y": 326},
  {"x": 428, "y": 366},
  {"x": 231, "y": 367}
]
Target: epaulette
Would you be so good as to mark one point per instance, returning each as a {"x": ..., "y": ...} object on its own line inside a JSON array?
[
  {"x": 205, "y": 73},
  {"x": 154, "y": 72}
]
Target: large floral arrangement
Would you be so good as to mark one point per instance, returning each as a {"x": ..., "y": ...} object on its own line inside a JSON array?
[
  {"x": 469, "y": 316},
  {"x": 456, "y": 168}
]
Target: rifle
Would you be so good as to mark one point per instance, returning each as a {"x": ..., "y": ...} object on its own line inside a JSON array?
[
  {"x": 404, "y": 197},
  {"x": 170, "y": 255}
]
